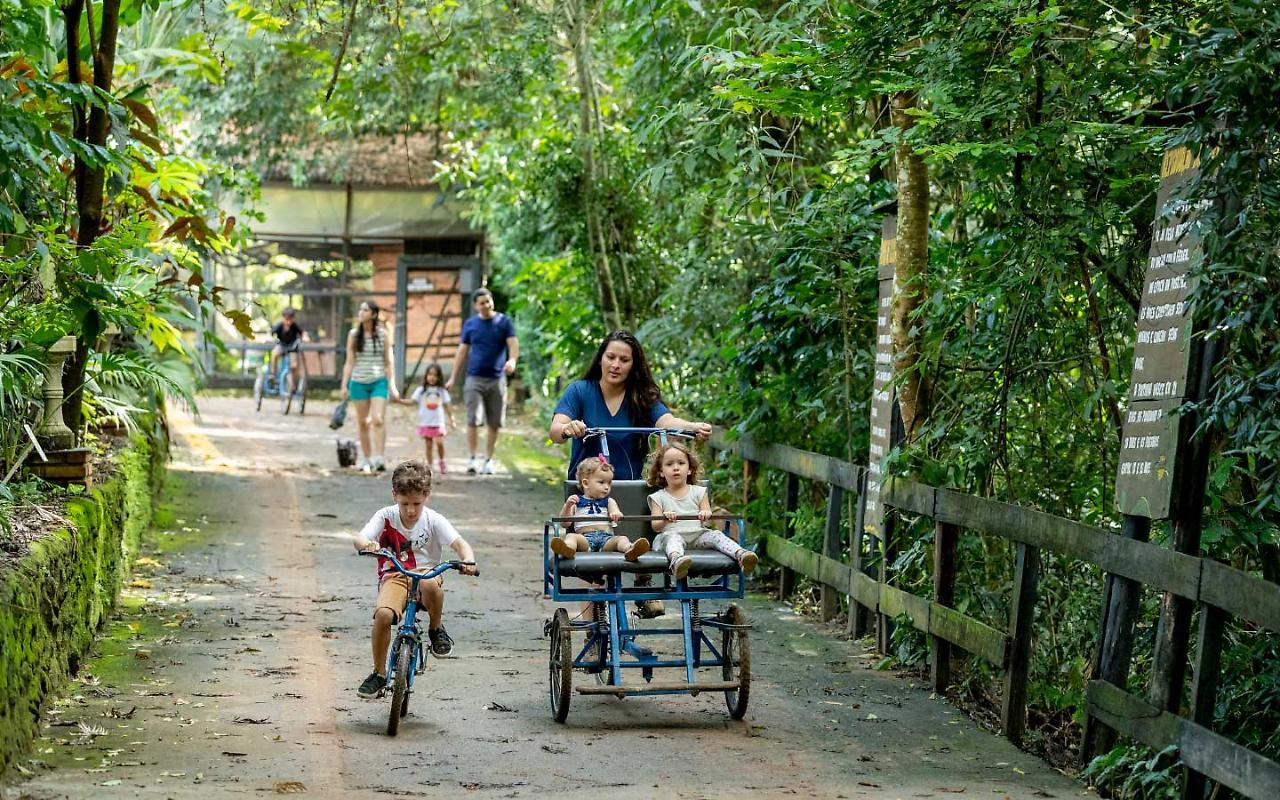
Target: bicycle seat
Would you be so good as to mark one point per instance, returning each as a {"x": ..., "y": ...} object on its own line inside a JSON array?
[{"x": 706, "y": 563}]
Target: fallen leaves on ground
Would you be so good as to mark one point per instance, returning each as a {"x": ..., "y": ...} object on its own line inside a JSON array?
[
  {"x": 289, "y": 787},
  {"x": 494, "y": 705},
  {"x": 253, "y": 720}
]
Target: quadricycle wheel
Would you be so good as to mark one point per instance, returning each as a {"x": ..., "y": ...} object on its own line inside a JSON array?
[
  {"x": 735, "y": 650},
  {"x": 258, "y": 389},
  {"x": 560, "y": 665}
]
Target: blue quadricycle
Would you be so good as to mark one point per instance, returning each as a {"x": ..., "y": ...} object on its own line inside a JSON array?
[{"x": 609, "y": 647}]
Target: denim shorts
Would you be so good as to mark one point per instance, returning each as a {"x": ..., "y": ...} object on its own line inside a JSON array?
[
  {"x": 597, "y": 539},
  {"x": 358, "y": 390}
]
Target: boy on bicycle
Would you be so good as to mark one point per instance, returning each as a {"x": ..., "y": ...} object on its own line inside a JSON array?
[
  {"x": 408, "y": 527},
  {"x": 288, "y": 334}
]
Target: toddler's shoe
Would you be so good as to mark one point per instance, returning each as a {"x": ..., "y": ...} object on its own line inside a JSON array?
[
  {"x": 748, "y": 561},
  {"x": 442, "y": 467},
  {"x": 441, "y": 642},
  {"x": 636, "y": 550},
  {"x": 680, "y": 567},
  {"x": 372, "y": 686},
  {"x": 561, "y": 548}
]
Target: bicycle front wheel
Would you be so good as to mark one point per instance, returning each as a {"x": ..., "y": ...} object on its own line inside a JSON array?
[{"x": 400, "y": 685}]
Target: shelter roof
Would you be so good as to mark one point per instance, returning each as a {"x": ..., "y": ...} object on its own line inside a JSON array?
[{"x": 391, "y": 161}]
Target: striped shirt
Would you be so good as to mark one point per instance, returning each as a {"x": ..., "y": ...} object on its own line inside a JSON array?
[{"x": 370, "y": 362}]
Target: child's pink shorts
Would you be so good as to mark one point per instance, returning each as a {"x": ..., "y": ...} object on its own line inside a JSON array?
[{"x": 430, "y": 432}]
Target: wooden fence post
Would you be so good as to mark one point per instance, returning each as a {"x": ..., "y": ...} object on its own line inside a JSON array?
[
  {"x": 831, "y": 542},
  {"x": 1022, "y": 613},
  {"x": 750, "y": 471},
  {"x": 787, "y": 577},
  {"x": 1204, "y": 687},
  {"x": 945, "y": 538},
  {"x": 888, "y": 554},
  {"x": 859, "y": 620},
  {"x": 1115, "y": 640}
]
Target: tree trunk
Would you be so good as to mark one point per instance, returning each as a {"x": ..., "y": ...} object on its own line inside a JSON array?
[
  {"x": 912, "y": 261},
  {"x": 89, "y": 178},
  {"x": 579, "y": 19}
]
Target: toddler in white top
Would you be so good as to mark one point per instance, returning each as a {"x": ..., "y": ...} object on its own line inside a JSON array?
[
  {"x": 595, "y": 514},
  {"x": 675, "y": 470}
]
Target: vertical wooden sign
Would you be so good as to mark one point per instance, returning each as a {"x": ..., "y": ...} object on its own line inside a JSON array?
[
  {"x": 1161, "y": 353},
  {"x": 882, "y": 385}
]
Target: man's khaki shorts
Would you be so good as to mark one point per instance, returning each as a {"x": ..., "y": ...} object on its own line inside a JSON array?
[
  {"x": 486, "y": 401},
  {"x": 394, "y": 593}
]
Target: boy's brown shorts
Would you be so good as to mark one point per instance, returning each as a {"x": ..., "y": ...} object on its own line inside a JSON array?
[{"x": 394, "y": 593}]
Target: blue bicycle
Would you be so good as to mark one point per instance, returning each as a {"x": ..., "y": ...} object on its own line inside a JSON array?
[
  {"x": 407, "y": 657},
  {"x": 289, "y": 383}
]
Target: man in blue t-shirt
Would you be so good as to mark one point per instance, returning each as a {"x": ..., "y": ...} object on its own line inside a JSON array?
[{"x": 489, "y": 349}]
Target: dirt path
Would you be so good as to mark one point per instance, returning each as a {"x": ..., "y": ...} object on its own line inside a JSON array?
[{"x": 230, "y": 670}]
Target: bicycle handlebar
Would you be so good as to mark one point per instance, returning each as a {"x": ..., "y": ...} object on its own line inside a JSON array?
[{"x": 438, "y": 569}]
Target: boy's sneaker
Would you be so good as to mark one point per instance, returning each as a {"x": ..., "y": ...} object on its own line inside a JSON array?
[
  {"x": 441, "y": 642},
  {"x": 372, "y": 686},
  {"x": 473, "y": 465},
  {"x": 636, "y": 550},
  {"x": 489, "y": 467},
  {"x": 680, "y": 567},
  {"x": 442, "y": 467},
  {"x": 748, "y": 560},
  {"x": 270, "y": 385}
]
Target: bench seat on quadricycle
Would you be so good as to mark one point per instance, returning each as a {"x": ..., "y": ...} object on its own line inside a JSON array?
[
  {"x": 596, "y": 565},
  {"x": 604, "y": 643}
]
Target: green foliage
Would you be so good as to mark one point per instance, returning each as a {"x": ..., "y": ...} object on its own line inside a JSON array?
[{"x": 1136, "y": 773}]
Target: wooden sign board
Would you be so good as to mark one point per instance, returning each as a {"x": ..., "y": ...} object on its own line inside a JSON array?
[
  {"x": 882, "y": 385},
  {"x": 1161, "y": 353}
]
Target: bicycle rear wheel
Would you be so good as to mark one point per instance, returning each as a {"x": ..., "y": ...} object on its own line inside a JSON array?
[{"x": 400, "y": 685}]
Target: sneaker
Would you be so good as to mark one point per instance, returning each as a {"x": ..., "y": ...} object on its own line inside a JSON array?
[
  {"x": 748, "y": 560},
  {"x": 489, "y": 467},
  {"x": 442, "y": 467},
  {"x": 372, "y": 686},
  {"x": 680, "y": 567},
  {"x": 379, "y": 464},
  {"x": 561, "y": 548},
  {"x": 473, "y": 465},
  {"x": 636, "y": 550},
  {"x": 441, "y": 643},
  {"x": 270, "y": 386},
  {"x": 650, "y": 609},
  {"x": 366, "y": 466}
]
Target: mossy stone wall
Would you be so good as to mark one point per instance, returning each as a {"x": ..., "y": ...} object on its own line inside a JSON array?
[{"x": 53, "y": 603}]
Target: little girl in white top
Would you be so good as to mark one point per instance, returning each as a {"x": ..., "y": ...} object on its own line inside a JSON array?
[{"x": 675, "y": 469}]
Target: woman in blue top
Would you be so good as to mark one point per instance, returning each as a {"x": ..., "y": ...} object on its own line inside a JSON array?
[{"x": 617, "y": 391}]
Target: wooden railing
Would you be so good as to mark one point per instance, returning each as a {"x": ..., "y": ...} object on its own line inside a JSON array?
[{"x": 1218, "y": 588}]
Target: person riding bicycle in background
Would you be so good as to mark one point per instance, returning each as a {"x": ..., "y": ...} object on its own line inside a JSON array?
[
  {"x": 288, "y": 333},
  {"x": 408, "y": 527}
]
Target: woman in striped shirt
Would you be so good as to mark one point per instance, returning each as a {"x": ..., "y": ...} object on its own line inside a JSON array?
[{"x": 367, "y": 380}]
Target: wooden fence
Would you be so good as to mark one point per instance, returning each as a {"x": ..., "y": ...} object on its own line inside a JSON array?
[{"x": 1216, "y": 587}]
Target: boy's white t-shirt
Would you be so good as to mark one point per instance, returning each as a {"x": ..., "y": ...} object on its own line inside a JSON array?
[
  {"x": 431, "y": 401},
  {"x": 688, "y": 505},
  {"x": 429, "y": 536}
]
